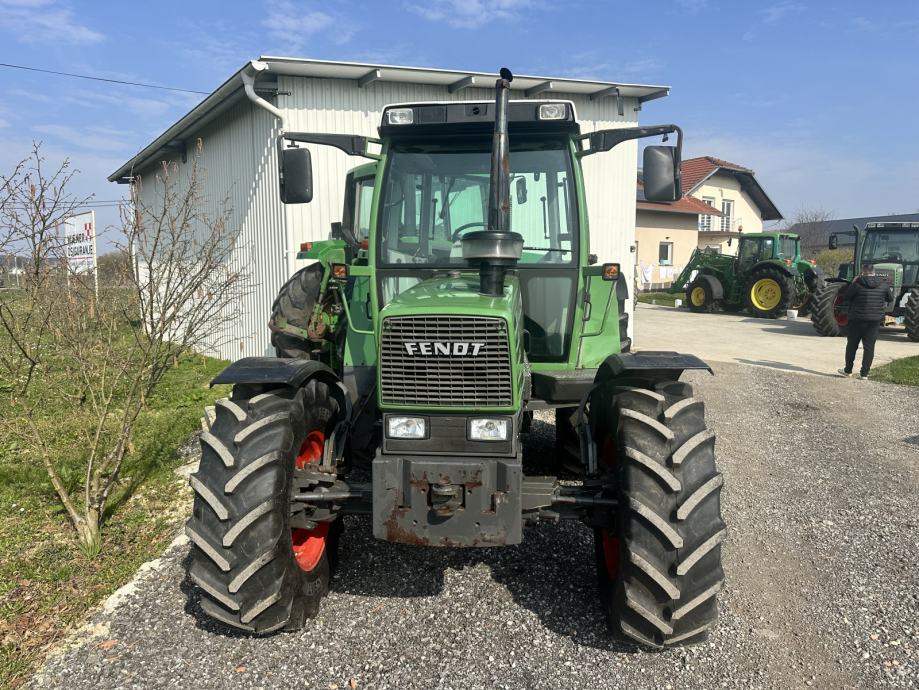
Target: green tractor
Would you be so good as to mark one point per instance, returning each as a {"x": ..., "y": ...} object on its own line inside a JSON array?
[
  {"x": 893, "y": 250},
  {"x": 767, "y": 277},
  {"x": 414, "y": 351}
]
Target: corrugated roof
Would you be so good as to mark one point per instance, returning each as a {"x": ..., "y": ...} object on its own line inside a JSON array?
[
  {"x": 816, "y": 235},
  {"x": 366, "y": 74}
]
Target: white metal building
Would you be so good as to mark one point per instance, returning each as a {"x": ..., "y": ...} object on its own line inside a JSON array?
[{"x": 240, "y": 157}]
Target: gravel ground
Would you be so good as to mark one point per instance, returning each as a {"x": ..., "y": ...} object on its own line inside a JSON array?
[{"x": 821, "y": 498}]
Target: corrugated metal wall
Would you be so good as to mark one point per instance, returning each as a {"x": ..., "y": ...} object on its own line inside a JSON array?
[{"x": 239, "y": 155}]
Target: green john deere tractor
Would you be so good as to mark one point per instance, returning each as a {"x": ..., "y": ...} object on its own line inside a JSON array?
[
  {"x": 413, "y": 352},
  {"x": 893, "y": 250},
  {"x": 767, "y": 277}
]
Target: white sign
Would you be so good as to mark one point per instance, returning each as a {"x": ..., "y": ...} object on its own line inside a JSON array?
[{"x": 80, "y": 242}]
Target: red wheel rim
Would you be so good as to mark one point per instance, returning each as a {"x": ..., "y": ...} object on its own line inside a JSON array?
[
  {"x": 842, "y": 318},
  {"x": 610, "y": 541},
  {"x": 309, "y": 544}
]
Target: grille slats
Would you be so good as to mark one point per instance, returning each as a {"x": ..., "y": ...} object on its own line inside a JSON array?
[{"x": 446, "y": 380}]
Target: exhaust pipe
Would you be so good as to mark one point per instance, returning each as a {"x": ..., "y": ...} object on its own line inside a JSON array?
[{"x": 496, "y": 248}]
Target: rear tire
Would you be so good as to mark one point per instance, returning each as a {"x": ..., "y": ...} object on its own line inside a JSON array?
[
  {"x": 243, "y": 558},
  {"x": 911, "y": 316},
  {"x": 292, "y": 310},
  {"x": 699, "y": 297},
  {"x": 823, "y": 311},
  {"x": 769, "y": 293},
  {"x": 659, "y": 566}
]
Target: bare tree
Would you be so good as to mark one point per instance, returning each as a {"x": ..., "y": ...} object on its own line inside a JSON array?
[
  {"x": 102, "y": 358},
  {"x": 808, "y": 224}
]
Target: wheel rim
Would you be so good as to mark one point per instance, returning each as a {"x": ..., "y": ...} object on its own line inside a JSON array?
[
  {"x": 697, "y": 296},
  {"x": 609, "y": 540},
  {"x": 766, "y": 294},
  {"x": 842, "y": 318},
  {"x": 309, "y": 544}
]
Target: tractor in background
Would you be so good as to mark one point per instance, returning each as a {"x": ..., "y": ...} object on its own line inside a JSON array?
[
  {"x": 893, "y": 250},
  {"x": 767, "y": 277}
]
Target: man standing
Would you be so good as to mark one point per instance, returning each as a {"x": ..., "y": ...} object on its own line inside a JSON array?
[{"x": 867, "y": 297}]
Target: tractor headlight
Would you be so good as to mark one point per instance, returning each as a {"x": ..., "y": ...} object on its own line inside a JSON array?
[
  {"x": 405, "y": 427},
  {"x": 488, "y": 429},
  {"x": 553, "y": 111},
  {"x": 400, "y": 116}
]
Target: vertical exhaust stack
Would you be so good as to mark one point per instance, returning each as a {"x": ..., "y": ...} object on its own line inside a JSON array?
[{"x": 496, "y": 248}]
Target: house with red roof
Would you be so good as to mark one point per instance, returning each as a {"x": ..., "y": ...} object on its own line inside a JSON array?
[{"x": 720, "y": 201}]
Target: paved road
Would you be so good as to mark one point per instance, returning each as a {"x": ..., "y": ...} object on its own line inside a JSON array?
[
  {"x": 821, "y": 497},
  {"x": 777, "y": 344}
]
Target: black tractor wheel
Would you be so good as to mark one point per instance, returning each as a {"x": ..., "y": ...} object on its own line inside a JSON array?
[
  {"x": 255, "y": 569},
  {"x": 659, "y": 562},
  {"x": 911, "y": 316},
  {"x": 827, "y": 319},
  {"x": 699, "y": 297},
  {"x": 291, "y": 312},
  {"x": 769, "y": 293}
]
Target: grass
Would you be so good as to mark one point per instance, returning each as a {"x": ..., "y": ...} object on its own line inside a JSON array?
[
  {"x": 46, "y": 584},
  {"x": 665, "y": 298},
  {"x": 904, "y": 371}
]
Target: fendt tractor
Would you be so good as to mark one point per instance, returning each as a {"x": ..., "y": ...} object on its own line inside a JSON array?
[
  {"x": 413, "y": 352},
  {"x": 767, "y": 277},
  {"x": 893, "y": 250}
]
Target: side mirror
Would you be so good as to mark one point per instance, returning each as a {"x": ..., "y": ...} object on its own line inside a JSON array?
[
  {"x": 834, "y": 242},
  {"x": 661, "y": 173},
  {"x": 296, "y": 176},
  {"x": 521, "y": 190}
]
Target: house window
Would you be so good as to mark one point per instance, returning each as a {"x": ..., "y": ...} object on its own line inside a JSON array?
[
  {"x": 727, "y": 208},
  {"x": 705, "y": 222},
  {"x": 665, "y": 254}
]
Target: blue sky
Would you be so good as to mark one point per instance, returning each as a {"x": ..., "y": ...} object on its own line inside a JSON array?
[{"x": 817, "y": 97}]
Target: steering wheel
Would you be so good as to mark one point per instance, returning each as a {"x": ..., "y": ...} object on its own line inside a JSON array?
[
  {"x": 456, "y": 233},
  {"x": 893, "y": 256}
]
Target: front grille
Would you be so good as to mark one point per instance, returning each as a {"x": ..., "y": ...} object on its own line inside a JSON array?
[{"x": 441, "y": 380}]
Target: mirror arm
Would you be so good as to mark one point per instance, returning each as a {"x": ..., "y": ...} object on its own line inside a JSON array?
[
  {"x": 353, "y": 145},
  {"x": 606, "y": 139}
]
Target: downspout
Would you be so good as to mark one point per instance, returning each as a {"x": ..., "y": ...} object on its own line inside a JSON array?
[{"x": 248, "y": 76}]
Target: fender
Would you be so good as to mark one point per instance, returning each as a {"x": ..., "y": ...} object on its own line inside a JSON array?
[
  {"x": 285, "y": 372},
  {"x": 670, "y": 364},
  {"x": 790, "y": 271},
  {"x": 713, "y": 283}
]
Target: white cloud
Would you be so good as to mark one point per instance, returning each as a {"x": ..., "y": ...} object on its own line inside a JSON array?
[
  {"x": 778, "y": 11},
  {"x": 471, "y": 14},
  {"x": 693, "y": 6},
  {"x": 593, "y": 65},
  {"x": 293, "y": 24},
  {"x": 45, "y": 21},
  {"x": 4, "y": 123},
  {"x": 91, "y": 138}
]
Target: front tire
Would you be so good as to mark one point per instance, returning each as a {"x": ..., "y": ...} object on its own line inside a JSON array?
[
  {"x": 292, "y": 311},
  {"x": 255, "y": 571},
  {"x": 827, "y": 322},
  {"x": 659, "y": 566},
  {"x": 699, "y": 297},
  {"x": 769, "y": 293},
  {"x": 911, "y": 316}
]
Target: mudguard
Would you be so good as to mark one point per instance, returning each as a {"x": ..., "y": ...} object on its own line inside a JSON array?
[
  {"x": 670, "y": 364},
  {"x": 713, "y": 283},
  {"x": 787, "y": 270},
  {"x": 285, "y": 372}
]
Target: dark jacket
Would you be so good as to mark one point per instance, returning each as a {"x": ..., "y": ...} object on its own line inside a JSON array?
[{"x": 867, "y": 297}]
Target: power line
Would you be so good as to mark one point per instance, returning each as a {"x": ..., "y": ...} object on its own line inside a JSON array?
[{"x": 111, "y": 81}]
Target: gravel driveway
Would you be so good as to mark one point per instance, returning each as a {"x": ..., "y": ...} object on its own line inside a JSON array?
[{"x": 821, "y": 497}]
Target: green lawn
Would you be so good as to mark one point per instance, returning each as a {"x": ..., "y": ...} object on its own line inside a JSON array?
[
  {"x": 665, "y": 298},
  {"x": 905, "y": 371},
  {"x": 46, "y": 583}
]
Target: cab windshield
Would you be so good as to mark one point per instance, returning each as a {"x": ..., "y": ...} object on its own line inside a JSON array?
[
  {"x": 891, "y": 246},
  {"x": 433, "y": 195}
]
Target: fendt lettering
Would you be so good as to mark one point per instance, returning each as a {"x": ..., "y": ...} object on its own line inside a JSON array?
[
  {"x": 437, "y": 426},
  {"x": 455, "y": 349}
]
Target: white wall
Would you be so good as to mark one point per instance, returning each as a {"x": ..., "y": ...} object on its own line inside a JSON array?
[{"x": 240, "y": 158}]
